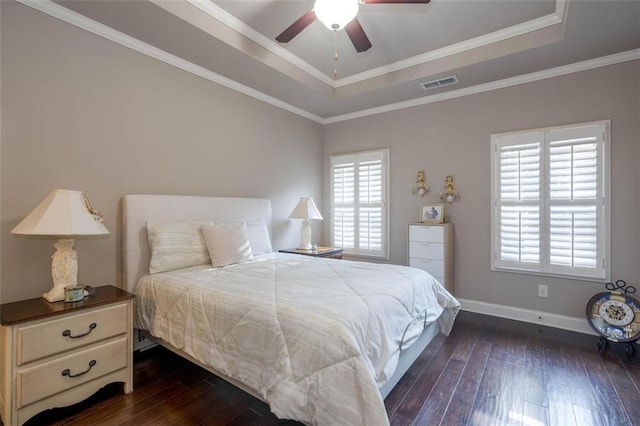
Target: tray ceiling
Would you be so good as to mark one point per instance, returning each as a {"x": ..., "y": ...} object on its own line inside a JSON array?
[{"x": 481, "y": 42}]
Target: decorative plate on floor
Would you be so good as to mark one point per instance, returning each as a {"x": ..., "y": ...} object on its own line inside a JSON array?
[{"x": 615, "y": 315}]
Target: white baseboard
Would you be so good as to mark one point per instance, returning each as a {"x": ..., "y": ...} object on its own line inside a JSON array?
[{"x": 564, "y": 322}]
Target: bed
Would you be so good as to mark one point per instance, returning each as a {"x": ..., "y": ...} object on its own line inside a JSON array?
[{"x": 322, "y": 341}]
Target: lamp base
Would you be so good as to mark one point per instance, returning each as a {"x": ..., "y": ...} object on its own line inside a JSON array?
[
  {"x": 56, "y": 294},
  {"x": 305, "y": 236},
  {"x": 64, "y": 269}
]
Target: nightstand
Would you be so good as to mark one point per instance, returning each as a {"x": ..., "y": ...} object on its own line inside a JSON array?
[
  {"x": 332, "y": 252},
  {"x": 57, "y": 354}
]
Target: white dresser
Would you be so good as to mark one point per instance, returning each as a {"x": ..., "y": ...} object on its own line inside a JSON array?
[{"x": 431, "y": 249}]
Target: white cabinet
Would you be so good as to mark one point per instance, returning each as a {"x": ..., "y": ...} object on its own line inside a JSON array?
[{"x": 431, "y": 249}]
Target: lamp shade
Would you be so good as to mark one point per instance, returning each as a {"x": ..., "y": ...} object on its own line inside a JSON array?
[
  {"x": 335, "y": 14},
  {"x": 306, "y": 209},
  {"x": 63, "y": 214}
]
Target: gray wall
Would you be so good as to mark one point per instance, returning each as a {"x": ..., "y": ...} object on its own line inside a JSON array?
[
  {"x": 81, "y": 112},
  {"x": 453, "y": 137}
]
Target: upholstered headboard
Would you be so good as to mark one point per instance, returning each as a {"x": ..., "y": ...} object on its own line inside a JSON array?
[{"x": 137, "y": 209}]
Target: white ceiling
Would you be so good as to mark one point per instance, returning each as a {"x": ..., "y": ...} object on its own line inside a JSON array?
[{"x": 485, "y": 43}]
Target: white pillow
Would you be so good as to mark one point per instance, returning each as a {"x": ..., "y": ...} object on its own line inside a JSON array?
[
  {"x": 176, "y": 245},
  {"x": 259, "y": 237},
  {"x": 228, "y": 243}
]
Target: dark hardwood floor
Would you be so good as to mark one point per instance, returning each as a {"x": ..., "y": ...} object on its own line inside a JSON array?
[{"x": 489, "y": 371}]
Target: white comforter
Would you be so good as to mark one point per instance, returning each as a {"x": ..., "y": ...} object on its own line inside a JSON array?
[{"x": 314, "y": 337}]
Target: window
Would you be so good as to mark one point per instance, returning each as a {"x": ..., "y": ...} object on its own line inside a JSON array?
[
  {"x": 550, "y": 192},
  {"x": 359, "y": 217}
]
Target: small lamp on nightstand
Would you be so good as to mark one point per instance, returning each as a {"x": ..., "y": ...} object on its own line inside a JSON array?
[
  {"x": 65, "y": 215},
  {"x": 306, "y": 209}
]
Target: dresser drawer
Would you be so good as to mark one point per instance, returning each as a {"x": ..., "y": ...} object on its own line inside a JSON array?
[
  {"x": 434, "y": 267},
  {"x": 426, "y": 250},
  {"x": 46, "y": 379},
  {"x": 47, "y": 338},
  {"x": 434, "y": 234}
]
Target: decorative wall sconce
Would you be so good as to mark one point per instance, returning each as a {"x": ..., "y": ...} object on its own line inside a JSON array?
[
  {"x": 450, "y": 193},
  {"x": 421, "y": 187}
]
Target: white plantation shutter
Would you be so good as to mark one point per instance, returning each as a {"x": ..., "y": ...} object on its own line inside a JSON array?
[
  {"x": 550, "y": 212},
  {"x": 575, "y": 198},
  {"x": 344, "y": 205},
  {"x": 370, "y": 205},
  {"x": 358, "y": 203},
  {"x": 519, "y": 206}
]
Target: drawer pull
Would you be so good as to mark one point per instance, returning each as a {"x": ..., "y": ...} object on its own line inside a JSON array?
[
  {"x": 67, "y": 332},
  {"x": 67, "y": 372}
]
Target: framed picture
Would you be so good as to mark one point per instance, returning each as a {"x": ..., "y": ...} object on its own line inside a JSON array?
[{"x": 432, "y": 213}]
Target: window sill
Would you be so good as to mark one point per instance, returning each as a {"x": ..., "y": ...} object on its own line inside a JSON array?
[
  {"x": 551, "y": 274},
  {"x": 364, "y": 257}
]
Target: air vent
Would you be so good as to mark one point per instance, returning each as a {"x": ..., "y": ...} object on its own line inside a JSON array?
[{"x": 439, "y": 83}]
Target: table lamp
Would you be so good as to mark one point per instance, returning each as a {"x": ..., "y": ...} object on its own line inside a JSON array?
[
  {"x": 65, "y": 215},
  {"x": 306, "y": 209}
]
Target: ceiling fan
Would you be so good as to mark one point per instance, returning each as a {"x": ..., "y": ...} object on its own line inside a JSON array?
[{"x": 335, "y": 15}]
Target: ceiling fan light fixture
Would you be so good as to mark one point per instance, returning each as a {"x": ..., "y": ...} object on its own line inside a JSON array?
[{"x": 336, "y": 14}]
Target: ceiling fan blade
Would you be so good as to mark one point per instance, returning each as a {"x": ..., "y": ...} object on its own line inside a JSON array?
[
  {"x": 296, "y": 28},
  {"x": 396, "y": 1},
  {"x": 357, "y": 35}
]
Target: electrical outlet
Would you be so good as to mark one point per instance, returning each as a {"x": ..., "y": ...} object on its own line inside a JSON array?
[{"x": 543, "y": 290}]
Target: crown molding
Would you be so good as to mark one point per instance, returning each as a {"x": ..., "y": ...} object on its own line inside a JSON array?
[
  {"x": 561, "y": 9},
  {"x": 604, "y": 61},
  {"x": 235, "y": 24},
  {"x": 516, "y": 30},
  {"x": 52, "y": 9},
  {"x": 463, "y": 46}
]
